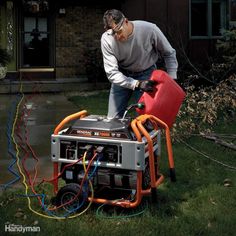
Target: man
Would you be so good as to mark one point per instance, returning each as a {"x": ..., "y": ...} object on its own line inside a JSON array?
[{"x": 130, "y": 50}]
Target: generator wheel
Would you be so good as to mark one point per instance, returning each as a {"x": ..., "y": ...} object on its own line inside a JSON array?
[{"x": 70, "y": 192}]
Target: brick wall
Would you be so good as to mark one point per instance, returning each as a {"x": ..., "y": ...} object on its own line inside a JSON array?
[{"x": 78, "y": 31}]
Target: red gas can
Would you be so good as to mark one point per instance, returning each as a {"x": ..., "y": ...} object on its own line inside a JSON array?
[{"x": 164, "y": 102}]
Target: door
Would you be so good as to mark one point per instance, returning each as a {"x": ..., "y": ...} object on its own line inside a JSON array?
[{"x": 35, "y": 38}]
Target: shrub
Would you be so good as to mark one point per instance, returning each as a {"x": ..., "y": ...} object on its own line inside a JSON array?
[
  {"x": 202, "y": 108},
  {"x": 5, "y": 57}
]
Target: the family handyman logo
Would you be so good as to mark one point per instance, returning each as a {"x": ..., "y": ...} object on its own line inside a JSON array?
[{"x": 13, "y": 228}]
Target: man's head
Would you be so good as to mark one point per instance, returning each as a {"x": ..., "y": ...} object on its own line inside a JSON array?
[{"x": 116, "y": 24}]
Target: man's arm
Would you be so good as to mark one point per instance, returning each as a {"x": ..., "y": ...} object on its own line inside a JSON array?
[
  {"x": 112, "y": 69},
  {"x": 163, "y": 46}
]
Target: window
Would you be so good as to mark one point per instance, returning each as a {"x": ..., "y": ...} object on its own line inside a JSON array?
[
  {"x": 35, "y": 42},
  {"x": 233, "y": 10},
  {"x": 207, "y": 18}
]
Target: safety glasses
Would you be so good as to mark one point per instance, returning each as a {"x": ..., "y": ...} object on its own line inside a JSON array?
[{"x": 117, "y": 30}]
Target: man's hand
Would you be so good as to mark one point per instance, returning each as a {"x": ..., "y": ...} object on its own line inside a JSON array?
[{"x": 146, "y": 85}]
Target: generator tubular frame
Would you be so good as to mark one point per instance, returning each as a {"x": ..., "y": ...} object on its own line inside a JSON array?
[{"x": 139, "y": 130}]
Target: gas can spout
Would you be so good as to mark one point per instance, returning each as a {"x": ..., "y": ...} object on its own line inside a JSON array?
[{"x": 139, "y": 105}]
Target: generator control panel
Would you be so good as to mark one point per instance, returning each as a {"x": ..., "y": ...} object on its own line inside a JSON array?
[{"x": 121, "y": 150}]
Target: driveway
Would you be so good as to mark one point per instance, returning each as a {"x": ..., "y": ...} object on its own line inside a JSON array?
[{"x": 38, "y": 115}]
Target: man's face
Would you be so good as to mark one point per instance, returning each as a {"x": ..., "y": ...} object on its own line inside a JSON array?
[{"x": 120, "y": 30}]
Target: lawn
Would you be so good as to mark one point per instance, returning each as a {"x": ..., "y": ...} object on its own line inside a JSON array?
[{"x": 200, "y": 202}]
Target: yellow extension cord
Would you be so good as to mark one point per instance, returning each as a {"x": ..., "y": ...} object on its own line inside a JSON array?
[{"x": 24, "y": 179}]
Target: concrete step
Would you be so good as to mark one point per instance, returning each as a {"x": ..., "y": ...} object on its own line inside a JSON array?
[{"x": 58, "y": 85}]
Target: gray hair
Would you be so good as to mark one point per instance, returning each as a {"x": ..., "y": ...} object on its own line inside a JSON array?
[{"x": 112, "y": 16}]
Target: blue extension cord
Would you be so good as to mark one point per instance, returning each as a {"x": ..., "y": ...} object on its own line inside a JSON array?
[{"x": 10, "y": 149}]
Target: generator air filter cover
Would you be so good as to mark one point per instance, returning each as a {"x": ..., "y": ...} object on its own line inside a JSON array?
[{"x": 164, "y": 102}]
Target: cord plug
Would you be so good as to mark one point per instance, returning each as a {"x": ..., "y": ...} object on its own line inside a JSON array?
[{"x": 99, "y": 149}]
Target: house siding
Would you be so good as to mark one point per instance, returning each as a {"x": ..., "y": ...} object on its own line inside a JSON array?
[
  {"x": 76, "y": 33},
  {"x": 171, "y": 17}
]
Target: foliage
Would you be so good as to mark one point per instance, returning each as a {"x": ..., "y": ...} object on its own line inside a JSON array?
[
  {"x": 212, "y": 69},
  {"x": 227, "y": 46},
  {"x": 5, "y": 57},
  {"x": 203, "y": 107}
]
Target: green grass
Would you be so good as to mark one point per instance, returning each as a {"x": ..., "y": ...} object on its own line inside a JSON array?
[
  {"x": 96, "y": 103},
  {"x": 197, "y": 204}
]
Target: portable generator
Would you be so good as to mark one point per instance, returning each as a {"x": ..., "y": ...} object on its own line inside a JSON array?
[
  {"x": 120, "y": 158},
  {"x": 116, "y": 161}
]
